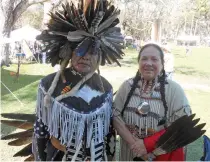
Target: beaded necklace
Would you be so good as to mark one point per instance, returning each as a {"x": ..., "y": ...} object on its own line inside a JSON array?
[{"x": 69, "y": 85}]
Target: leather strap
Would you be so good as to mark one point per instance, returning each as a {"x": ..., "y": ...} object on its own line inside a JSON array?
[{"x": 56, "y": 143}]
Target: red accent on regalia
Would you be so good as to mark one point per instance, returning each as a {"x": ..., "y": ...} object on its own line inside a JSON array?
[{"x": 177, "y": 155}]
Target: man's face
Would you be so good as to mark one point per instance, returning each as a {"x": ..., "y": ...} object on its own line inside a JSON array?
[{"x": 84, "y": 64}]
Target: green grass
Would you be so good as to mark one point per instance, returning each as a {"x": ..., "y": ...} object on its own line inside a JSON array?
[
  {"x": 196, "y": 64},
  {"x": 29, "y": 73},
  {"x": 193, "y": 69}
]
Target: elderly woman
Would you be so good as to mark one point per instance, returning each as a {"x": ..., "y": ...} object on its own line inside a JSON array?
[{"x": 147, "y": 103}]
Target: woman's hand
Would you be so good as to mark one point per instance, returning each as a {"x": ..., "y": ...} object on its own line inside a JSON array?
[{"x": 138, "y": 147}]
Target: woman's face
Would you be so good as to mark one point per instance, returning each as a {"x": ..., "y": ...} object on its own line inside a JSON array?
[
  {"x": 85, "y": 64},
  {"x": 150, "y": 64}
]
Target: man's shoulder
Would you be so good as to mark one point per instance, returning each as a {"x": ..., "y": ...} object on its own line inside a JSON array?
[
  {"x": 107, "y": 86},
  {"x": 47, "y": 80}
]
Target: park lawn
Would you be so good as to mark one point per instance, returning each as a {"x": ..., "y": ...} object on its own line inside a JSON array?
[
  {"x": 196, "y": 64},
  {"x": 186, "y": 69}
]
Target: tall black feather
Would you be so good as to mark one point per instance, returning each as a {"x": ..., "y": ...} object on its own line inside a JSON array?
[
  {"x": 26, "y": 151},
  {"x": 27, "y": 117},
  {"x": 18, "y": 124},
  {"x": 182, "y": 132},
  {"x": 20, "y": 141},
  {"x": 27, "y": 133}
]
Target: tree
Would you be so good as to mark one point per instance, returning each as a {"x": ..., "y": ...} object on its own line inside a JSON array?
[
  {"x": 10, "y": 11},
  {"x": 177, "y": 17},
  {"x": 31, "y": 17}
]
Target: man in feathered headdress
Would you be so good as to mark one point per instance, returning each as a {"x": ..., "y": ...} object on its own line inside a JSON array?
[{"x": 74, "y": 105}]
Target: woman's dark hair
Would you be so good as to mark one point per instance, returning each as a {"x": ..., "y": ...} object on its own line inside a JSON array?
[
  {"x": 161, "y": 79},
  {"x": 155, "y": 46},
  {"x": 133, "y": 87}
]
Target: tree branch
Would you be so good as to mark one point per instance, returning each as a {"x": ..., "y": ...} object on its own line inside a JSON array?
[{"x": 22, "y": 6}]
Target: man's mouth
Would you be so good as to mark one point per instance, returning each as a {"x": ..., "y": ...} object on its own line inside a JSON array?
[
  {"x": 83, "y": 64},
  {"x": 148, "y": 69}
]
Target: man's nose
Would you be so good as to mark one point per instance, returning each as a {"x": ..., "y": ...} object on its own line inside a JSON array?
[
  {"x": 149, "y": 62},
  {"x": 86, "y": 56}
]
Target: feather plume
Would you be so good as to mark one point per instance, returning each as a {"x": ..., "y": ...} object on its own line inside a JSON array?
[
  {"x": 75, "y": 16},
  {"x": 108, "y": 44},
  {"x": 108, "y": 12},
  {"x": 65, "y": 51},
  {"x": 83, "y": 20},
  {"x": 108, "y": 22},
  {"x": 54, "y": 60},
  {"x": 61, "y": 15},
  {"x": 96, "y": 21},
  {"x": 26, "y": 151},
  {"x": 114, "y": 39},
  {"x": 30, "y": 158},
  {"x": 60, "y": 20},
  {"x": 110, "y": 30},
  {"x": 109, "y": 54},
  {"x": 70, "y": 14},
  {"x": 18, "y": 124},
  {"x": 21, "y": 141},
  {"x": 86, "y": 8},
  {"x": 89, "y": 19},
  {"x": 27, "y": 133},
  {"x": 182, "y": 132},
  {"x": 27, "y": 117}
]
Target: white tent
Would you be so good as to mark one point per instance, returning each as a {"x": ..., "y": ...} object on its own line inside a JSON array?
[{"x": 27, "y": 33}]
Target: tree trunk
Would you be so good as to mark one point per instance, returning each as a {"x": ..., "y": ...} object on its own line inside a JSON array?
[
  {"x": 11, "y": 13},
  {"x": 156, "y": 31},
  {"x": 4, "y": 49},
  {"x": 6, "y": 27}
]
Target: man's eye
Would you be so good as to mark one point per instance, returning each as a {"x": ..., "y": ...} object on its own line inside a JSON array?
[{"x": 144, "y": 59}]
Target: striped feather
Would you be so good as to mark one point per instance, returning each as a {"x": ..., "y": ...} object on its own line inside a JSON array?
[
  {"x": 70, "y": 14},
  {"x": 57, "y": 25},
  {"x": 85, "y": 7},
  {"x": 110, "y": 30},
  {"x": 108, "y": 22},
  {"x": 89, "y": 14},
  {"x": 109, "y": 54},
  {"x": 96, "y": 21},
  {"x": 117, "y": 21},
  {"x": 58, "y": 33},
  {"x": 108, "y": 44},
  {"x": 109, "y": 12},
  {"x": 115, "y": 39},
  {"x": 59, "y": 19},
  {"x": 61, "y": 14},
  {"x": 75, "y": 16},
  {"x": 83, "y": 20}
]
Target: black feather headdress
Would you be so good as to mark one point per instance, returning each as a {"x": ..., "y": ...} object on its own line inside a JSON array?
[{"x": 92, "y": 23}]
